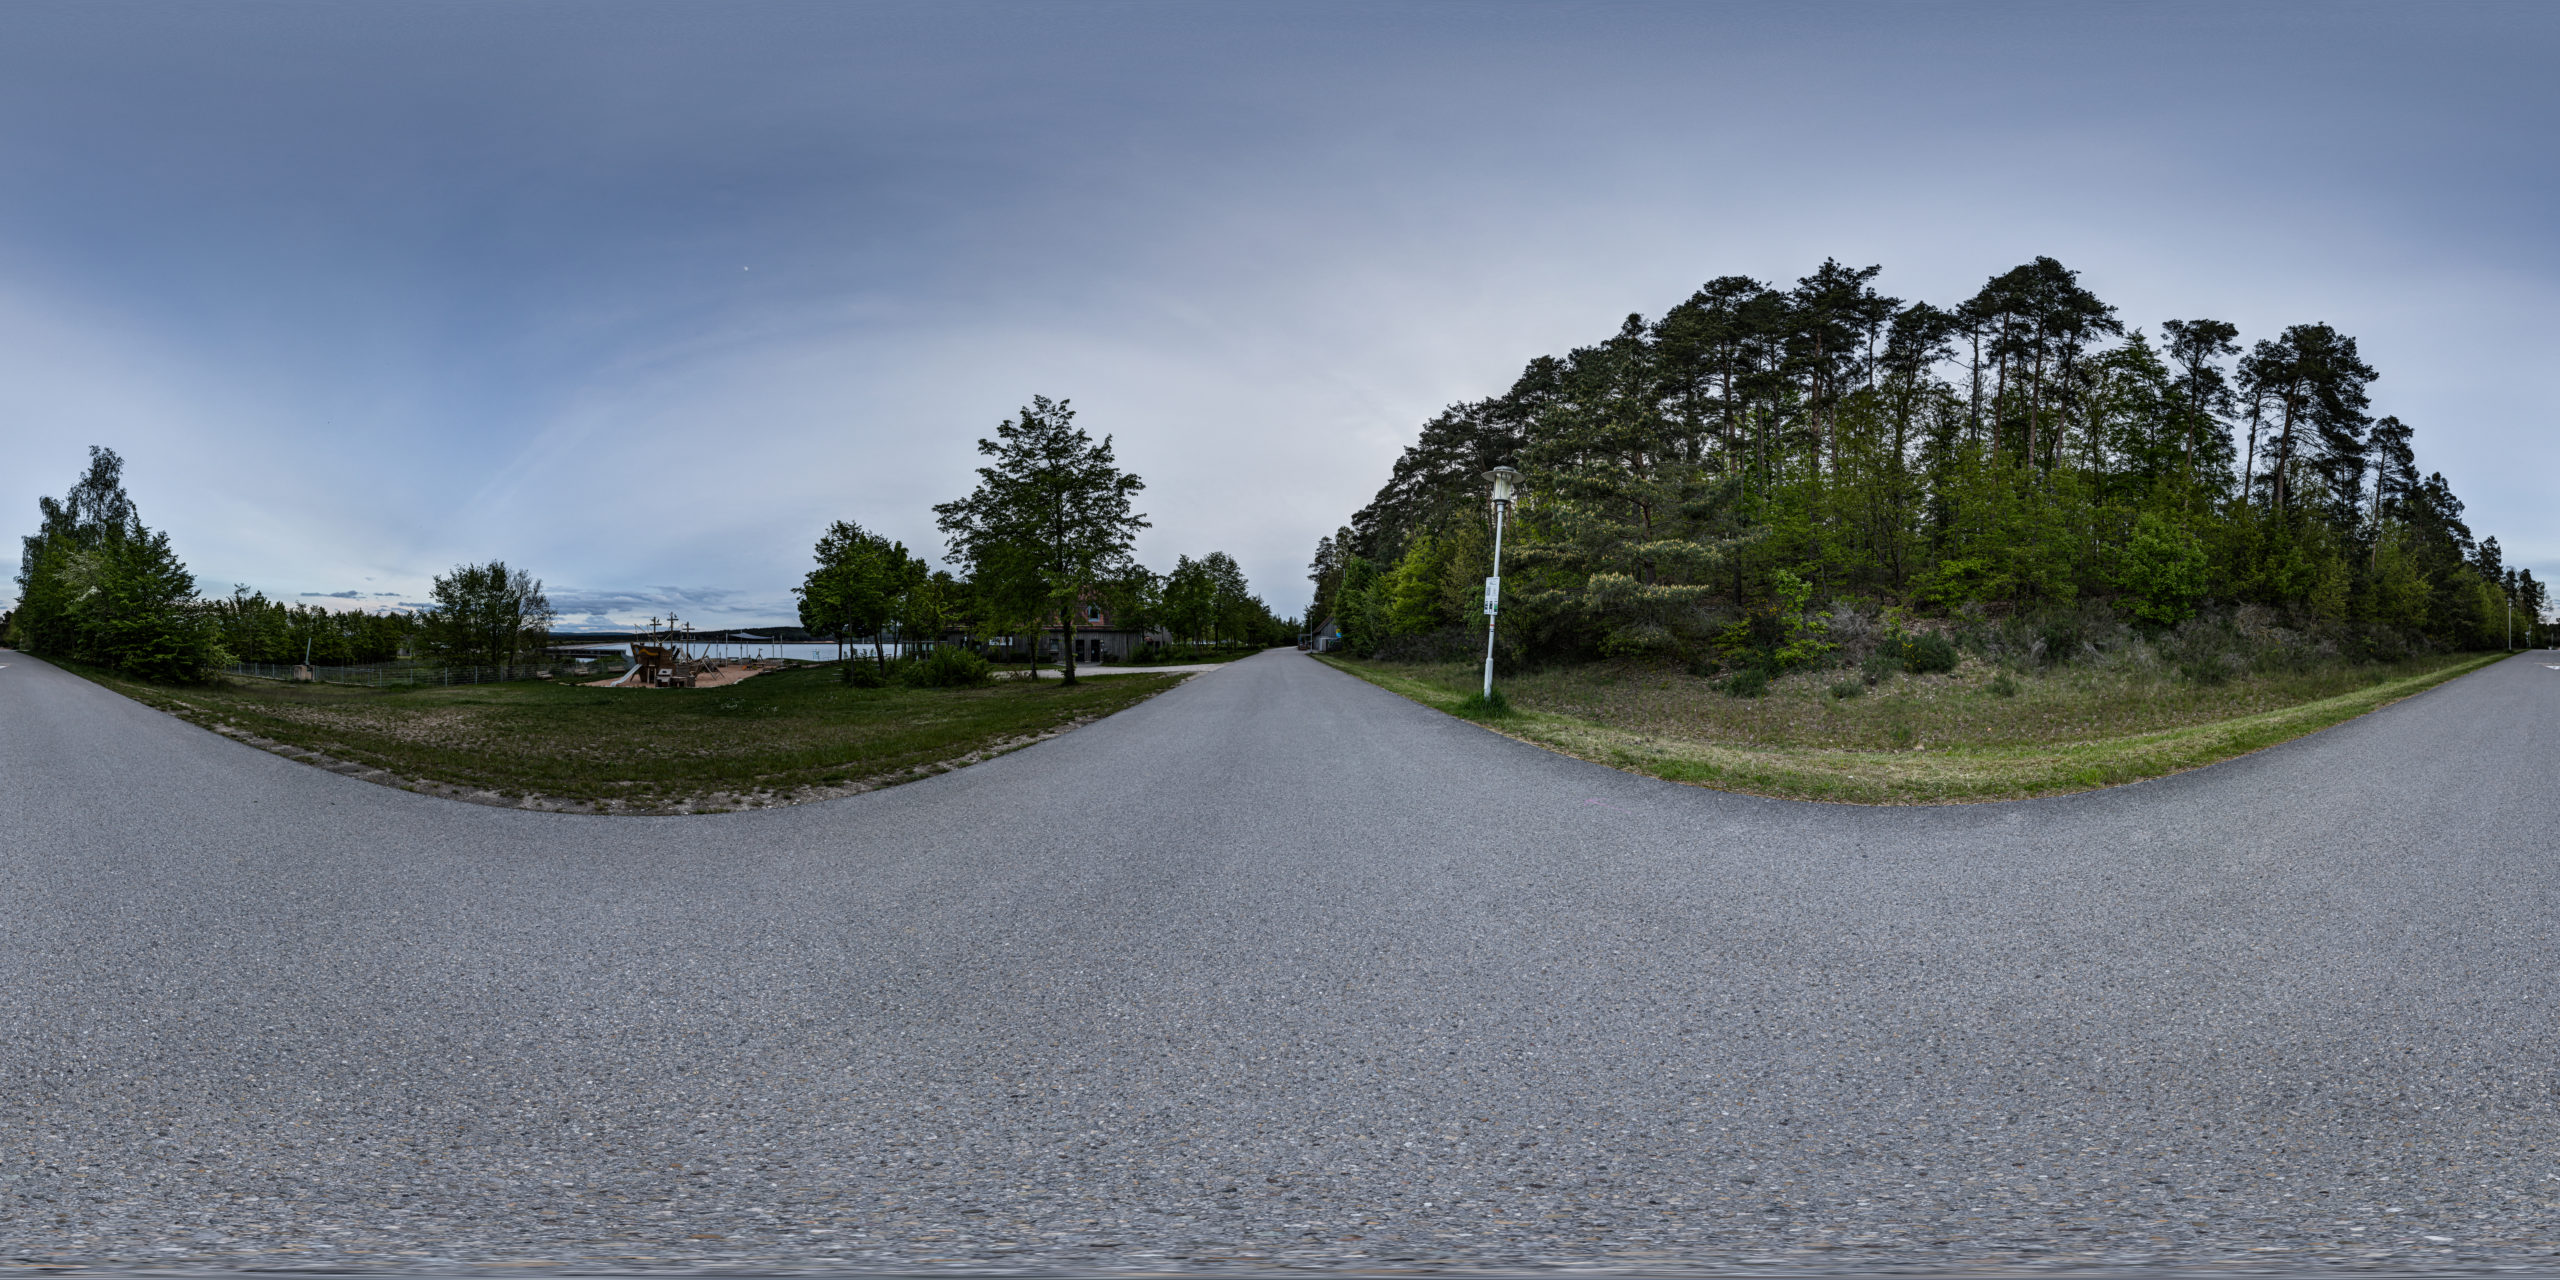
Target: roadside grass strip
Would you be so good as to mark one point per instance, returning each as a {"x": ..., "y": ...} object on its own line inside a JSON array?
[
  {"x": 785, "y": 737},
  {"x": 1955, "y": 774}
]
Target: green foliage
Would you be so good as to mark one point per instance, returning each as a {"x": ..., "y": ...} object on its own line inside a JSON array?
[
  {"x": 948, "y": 667},
  {"x": 1485, "y": 706},
  {"x": 1805, "y": 639},
  {"x": 96, "y": 586},
  {"x": 1750, "y": 682},
  {"x": 486, "y": 615},
  {"x": 1927, "y": 653},
  {"x": 1640, "y": 640},
  {"x": 1848, "y": 688},
  {"x": 1416, "y": 595},
  {"x": 1208, "y": 600},
  {"x": 252, "y": 628},
  {"x": 862, "y": 583},
  {"x": 2163, "y": 570},
  {"x": 1708, "y": 486},
  {"x": 1051, "y": 521}
]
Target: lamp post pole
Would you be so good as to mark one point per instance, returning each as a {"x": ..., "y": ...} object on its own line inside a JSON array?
[{"x": 1503, "y": 478}]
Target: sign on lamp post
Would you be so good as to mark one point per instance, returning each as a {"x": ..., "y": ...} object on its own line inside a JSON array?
[{"x": 1503, "y": 478}]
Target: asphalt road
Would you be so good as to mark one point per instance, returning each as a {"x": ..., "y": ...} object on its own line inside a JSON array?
[{"x": 1280, "y": 970}]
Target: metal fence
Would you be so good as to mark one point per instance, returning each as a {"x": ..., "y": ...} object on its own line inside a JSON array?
[{"x": 380, "y": 674}]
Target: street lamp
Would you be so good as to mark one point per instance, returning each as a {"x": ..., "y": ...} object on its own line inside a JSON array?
[{"x": 1503, "y": 478}]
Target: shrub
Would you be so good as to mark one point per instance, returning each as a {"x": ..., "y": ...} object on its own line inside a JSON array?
[
  {"x": 865, "y": 673},
  {"x": 1447, "y": 644},
  {"x": 2004, "y": 686},
  {"x": 2057, "y": 639},
  {"x": 1642, "y": 640},
  {"x": 1928, "y": 652},
  {"x": 948, "y": 667},
  {"x": 1848, "y": 688},
  {"x": 1750, "y": 682},
  {"x": 1879, "y": 665},
  {"x": 2163, "y": 571}
]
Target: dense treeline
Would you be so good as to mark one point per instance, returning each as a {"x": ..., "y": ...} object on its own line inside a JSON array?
[
  {"x": 253, "y": 628},
  {"x": 866, "y": 587},
  {"x": 97, "y": 586},
  {"x": 1708, "y": 484},
  {"x": 1044, "y": 543},
  {"x": 1044, "y": 538}
]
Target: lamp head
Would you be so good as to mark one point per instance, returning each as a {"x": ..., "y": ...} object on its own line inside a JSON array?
[{"x": 1503, "y": 478}]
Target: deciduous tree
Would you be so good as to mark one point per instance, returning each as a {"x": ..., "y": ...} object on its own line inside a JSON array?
[{"x": 1052, "y": 513}]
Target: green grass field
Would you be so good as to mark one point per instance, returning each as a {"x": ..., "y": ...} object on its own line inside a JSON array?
[
  {"x": 1930, "y": 739},
  {"x": 784, "y": 737}
]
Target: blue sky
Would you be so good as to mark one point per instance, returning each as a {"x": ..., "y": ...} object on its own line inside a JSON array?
[{"x": 639, "y": 297}]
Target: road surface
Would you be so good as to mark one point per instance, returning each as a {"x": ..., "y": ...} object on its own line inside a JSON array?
[{"x": 1278, "y": 969}]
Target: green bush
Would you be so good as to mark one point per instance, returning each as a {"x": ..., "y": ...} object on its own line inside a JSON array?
[
  {"x": 948, "y": 667},
  {"x": 1880, "y": 665},
  {"x": 2164, "y": 571},
  {"x": 1848, "y": 688},
  {"x": 2004, "y": 687},
  {"x": 1928, "y": 652},
  {"x": 865, "y": 673},
  {"x": 1750, "y": 682},
  {"x": 2058, "y": 639},
  {"x": 1642, "y": 640}
]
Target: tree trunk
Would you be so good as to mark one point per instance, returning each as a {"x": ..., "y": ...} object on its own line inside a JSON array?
[
  {"x": 2035, "y": 400},
  {"x": 2249, "y": 468},
  {"x": 1066, "y": 646},
  {"x": 2284, "y": 456},
  {"x": 1999, "y": 402},
  {"x": 1974, "y": 332}
]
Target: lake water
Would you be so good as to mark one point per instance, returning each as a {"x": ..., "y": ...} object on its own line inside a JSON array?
[{"x": 769, "y": 649}]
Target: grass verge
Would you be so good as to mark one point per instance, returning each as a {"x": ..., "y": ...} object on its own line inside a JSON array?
[
  {"x": 2001, "y": 738},
  {"x": 785, "y": 737}
]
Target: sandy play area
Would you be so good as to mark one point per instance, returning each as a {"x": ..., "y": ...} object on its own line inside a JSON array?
[{"x": 703, "y": 677}]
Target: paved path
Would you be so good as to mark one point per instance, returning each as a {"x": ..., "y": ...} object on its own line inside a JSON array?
[
  {"x": 1280, "y": 969},
  {"x": 1082, "y": 671}
]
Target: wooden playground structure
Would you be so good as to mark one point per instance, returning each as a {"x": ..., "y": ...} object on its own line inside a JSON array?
[{"x": 672, "y": 658}]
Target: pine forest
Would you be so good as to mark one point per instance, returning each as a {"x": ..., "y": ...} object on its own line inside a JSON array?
[{"x": 1763, "y": 475}]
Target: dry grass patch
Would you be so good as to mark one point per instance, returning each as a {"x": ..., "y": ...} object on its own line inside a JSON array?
[{"x": 1920, "y": 739}]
